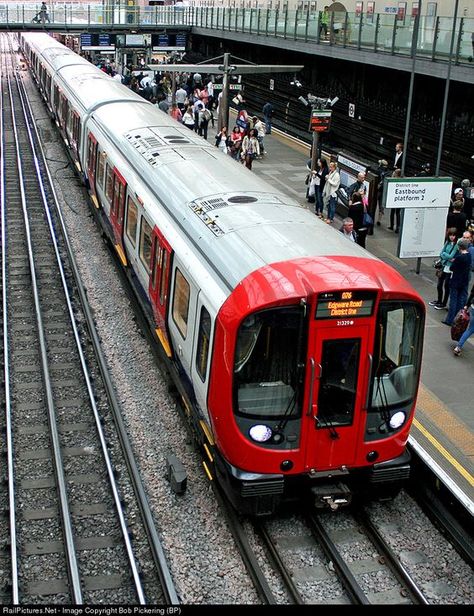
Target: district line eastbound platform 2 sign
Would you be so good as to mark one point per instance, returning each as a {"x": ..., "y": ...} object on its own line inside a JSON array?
[{"x": 417, "y": 192}]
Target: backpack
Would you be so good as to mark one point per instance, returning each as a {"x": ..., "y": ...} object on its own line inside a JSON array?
[{"x": 206, "y": 115}]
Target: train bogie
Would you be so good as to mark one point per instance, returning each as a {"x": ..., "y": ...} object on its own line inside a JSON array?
[{"x": 297, "y": 354}]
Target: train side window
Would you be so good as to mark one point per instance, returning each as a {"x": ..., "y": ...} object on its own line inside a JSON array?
[
  {"x": 101, "y": 170},
  {"x": 109, "y": 183},
  {"x": 132, "y": 221},
  {"x": 145, "y": 244},
  {"x": 203, "y": 344},
  {"x": 181, "y": 296},
  {"x": 55, "y": 97}
]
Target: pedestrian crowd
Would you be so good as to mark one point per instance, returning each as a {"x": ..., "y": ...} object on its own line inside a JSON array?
[{"x": 196, "y": 106}]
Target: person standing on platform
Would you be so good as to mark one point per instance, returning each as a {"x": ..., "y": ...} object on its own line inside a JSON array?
[
  {"x": 267, "y": 111},
  {"x": 322, "y": 171},
  {"x": 356, "y": 212},
  {"x": 468, "y": 200},
  {"x": 395, "y": 211},
  {"x": 470, "y": 327},
  {"x": 333, "y": 181},
  {"x": 382, "y": 173},
  {"x": 356, "y": 186},
  {"x": 260, "y": 128},
  {"x": 448, "y": 252},
  {"x": 458, "y": 285},
  {"x": 457, "y": 219},
  {"x": 250, "y": 149},
  {"x": 180, "y": 96},
  {"x": 398, "y": 159}
]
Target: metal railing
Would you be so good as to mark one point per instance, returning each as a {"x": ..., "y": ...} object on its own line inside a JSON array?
[{"x": 377, "y": 32}]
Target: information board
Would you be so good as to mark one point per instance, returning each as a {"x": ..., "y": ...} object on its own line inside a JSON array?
[
  {"x": 98, "y": 42},
  {"x": 423, "y": 232},
  {"x": 320, "y": 120}
]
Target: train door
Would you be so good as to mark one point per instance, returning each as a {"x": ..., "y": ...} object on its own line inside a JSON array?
[
  {"x": 91, "y": 161},
  {"x": 159, "y": 284},
  {"x": 117, "y": 209},
  {"x": 338, "y": 374}
]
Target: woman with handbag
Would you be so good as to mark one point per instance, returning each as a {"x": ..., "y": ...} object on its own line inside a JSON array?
[
  {"x": 250, "y": 149},
  {"x": 333, "y": 181},
  {"x": 470, "y": 326},
  {"x": 356, "y": 211},
  {"x": 447, "y": 254}
]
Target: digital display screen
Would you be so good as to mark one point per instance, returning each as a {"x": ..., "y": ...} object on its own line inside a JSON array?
[
  {"x": 344, "y": 304},
  {"x": 95, "y": 41}
]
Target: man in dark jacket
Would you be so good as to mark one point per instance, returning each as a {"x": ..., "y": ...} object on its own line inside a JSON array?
[{"x": 458, "y": 285}]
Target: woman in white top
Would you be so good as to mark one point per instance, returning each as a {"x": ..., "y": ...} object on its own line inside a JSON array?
[
  {"x": 222, "y": 140},
  {"x": 333, "y": 181},
  {"x": 188, "y": 117}
]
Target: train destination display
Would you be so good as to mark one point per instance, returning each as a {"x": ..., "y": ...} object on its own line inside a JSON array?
[{"x": 337, "y": 304}]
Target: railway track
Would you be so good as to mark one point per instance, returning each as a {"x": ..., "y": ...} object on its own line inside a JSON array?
[{"x": 76, "y": 534}]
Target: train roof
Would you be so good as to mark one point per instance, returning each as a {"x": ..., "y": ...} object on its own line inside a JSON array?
[{"x": 235, "y": 219}]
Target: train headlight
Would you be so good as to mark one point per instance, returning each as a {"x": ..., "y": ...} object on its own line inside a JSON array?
[
  {"x": 260, "y": 433},
  {"x": 397, "y": 420}
]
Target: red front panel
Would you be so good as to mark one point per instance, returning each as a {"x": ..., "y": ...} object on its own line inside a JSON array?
[{"x": 337, "y": 382}]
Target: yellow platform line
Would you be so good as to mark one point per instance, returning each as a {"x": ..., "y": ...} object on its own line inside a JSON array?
[{"x": 459, "y": 433}]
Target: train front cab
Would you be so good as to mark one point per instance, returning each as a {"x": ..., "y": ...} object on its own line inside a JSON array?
[{"x": 323, "y": 399}]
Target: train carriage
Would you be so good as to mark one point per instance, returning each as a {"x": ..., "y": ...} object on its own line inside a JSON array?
[{"x": 297, "y": 352}]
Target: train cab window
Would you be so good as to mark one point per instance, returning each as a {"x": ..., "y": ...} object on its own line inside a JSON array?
[
  {"x": 397, "y": 355},
  {"x": 101, "y": 169},
  {"x": 109, "y": 183},
  {"x": 204, "y": 339},
  {"x": 181, "y": 296},
  {"x": 145, "y": 244},
  {"x": 338, "y": 382},
  {"x": 269, "y": 364},
  {"x": 132, "y": 221}
]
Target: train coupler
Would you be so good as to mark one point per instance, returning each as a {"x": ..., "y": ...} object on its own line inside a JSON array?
[{"x": 332, "y": 496}]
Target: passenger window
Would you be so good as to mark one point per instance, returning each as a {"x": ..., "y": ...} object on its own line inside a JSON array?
[
  {"x": 109, "y": 183},
  {"x": 181, "y": 303},
  {"x": 132, "y": 221},
  {"x": 101, "y": 170},
  {"x": 204, "y": 340},
  {"x": 145, "y": 244}
]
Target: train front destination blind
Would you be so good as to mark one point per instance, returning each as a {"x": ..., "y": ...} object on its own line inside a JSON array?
[{"x": 344, "y": 304}]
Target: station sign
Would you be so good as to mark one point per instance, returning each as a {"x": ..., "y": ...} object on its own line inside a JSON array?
[
  {"x": 320, "y": 120},
  {"x": 418, "y": 192},
  {"x": 232, "y": 86},
  {"x": 344, "y": 304}
]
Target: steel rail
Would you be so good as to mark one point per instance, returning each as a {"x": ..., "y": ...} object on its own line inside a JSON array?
[
  {"x": 159, "y": 557},
  {"x": 69, "y": 544},
  {"x": 392, "y": 559},
  {"x": 278, "y": 562},
  {"x": 345, "y": 574},
  {"x": 6, "y": 365},
  {"x": 100, "y": 431}
]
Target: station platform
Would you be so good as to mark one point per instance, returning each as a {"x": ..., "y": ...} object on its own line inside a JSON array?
[{"x": 443, "y": 429}]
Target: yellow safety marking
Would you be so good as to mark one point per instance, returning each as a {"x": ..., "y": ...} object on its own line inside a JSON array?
[
  {"x": 208, "y": 472},
  {"x": 209, "y": 454},
  {"x": 207, "y": 432},
  {"x": 121, "y": 254},
  {"x": 186, "y": 406},
  {"x": 164, "y": 342},
  {"x": 95, "y": 201},
  {"x": 461, "y": 470},
  {"x": 458, "y": 432}
]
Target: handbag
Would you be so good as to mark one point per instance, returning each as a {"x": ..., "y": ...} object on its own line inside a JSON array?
[
  {"x": 460, "y": 323},
  {"x": 367, "y": 220},
  {"x": 438, "y": 264}
]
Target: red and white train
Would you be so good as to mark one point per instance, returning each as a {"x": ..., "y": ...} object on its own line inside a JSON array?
[{"x": 298, "y": 352}]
